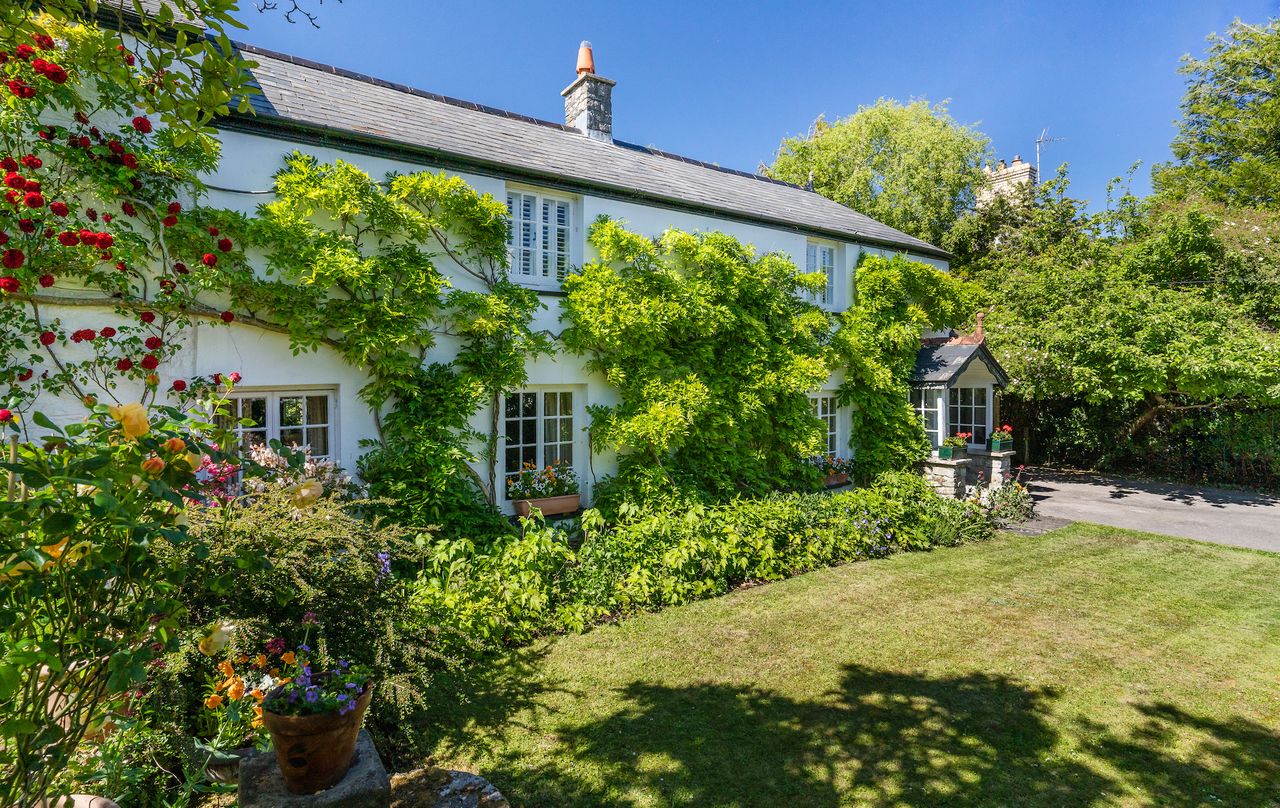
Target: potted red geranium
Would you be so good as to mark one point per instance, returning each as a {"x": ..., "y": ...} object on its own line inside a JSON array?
[
  {"x": 1002, "y": 439},
  {"x": 552, "y": 490}
]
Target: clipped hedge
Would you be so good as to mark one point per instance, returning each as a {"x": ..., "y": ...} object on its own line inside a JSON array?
[{"x": 535, "y": 583}]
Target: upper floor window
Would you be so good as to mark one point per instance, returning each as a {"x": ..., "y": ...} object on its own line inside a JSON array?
[
  {"x": 295, "y": 418},
  {"x": 826, "y": 410},
  {"x": 822, "y": 258},
  {"x": 540, "y": 237},
  {"x": 969, "y": 412},
  {"x": 538, "y": 430}
]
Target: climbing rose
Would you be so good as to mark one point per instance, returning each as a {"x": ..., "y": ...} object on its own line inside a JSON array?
[
  {"x": 179, "y": 385},
  {"x": 9, "y": 284},
  {"x": 26, "y": 225},
  {"x": 180, "y": 268},
  {"x": 150, "y": 362},
  {"x": 31, "y": 161},
  {"x": 234, "y": 377},
  {"x": 129, "y": 209},
  {"x": 124, "y": 365},
  {"x": 175, "y": 208},
  {"x": 227, "y": 316},
  {"x": 108, "y": 332},
  {"x": 129, "y": 160},
  {"x": 47, "y": 338},
  {"x": 133, "y": 417},
  {"x": 26, "y": 374},
  {"x": 5, "y": 416},
  {"x": 105, "y": 240},
  {"x": 224, "y": 244},
  {"x": 153, "y": 343},
  {"x": 147, "y": 317},
  {"x": 4, "y": 238},
  {"x": 13, "y": 259},
  {"x": 209, "y": 260},
  {"x": 33, "y": 199},
  {"x": 58, "y": 208},
  {"x": 46, "y": 281},
  {"x": 169, "y": 221},
  {"x": 142, "y": 125},
  {"x": 213, "y": 231},
  {"x": 68, "y": 239}
]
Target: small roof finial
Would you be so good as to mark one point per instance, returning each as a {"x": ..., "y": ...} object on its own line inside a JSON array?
[{"x": 586, "y": 60}]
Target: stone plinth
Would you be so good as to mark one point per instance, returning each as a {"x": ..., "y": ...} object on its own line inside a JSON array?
[
  {"x": 365, "y": 786},
  {"x": 948, "y": 477},
  {"x": 995, "y": 466}
]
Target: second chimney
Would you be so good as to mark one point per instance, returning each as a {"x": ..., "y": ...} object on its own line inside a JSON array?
[{"x": 588, "y": 102}]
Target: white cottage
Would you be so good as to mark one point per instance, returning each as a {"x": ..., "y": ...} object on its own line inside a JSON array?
[{"x": 556, "y": 179}]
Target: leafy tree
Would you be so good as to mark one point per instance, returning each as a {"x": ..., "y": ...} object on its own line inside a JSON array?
[
  {"x": 1228, "y": 142},
  {"x": 911, "y": 166}
]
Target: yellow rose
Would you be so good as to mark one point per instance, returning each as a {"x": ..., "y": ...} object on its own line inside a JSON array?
[
  {"x": 133, "y": 417},
  {"x": 305, "y": 494},
  {"x": 216, "y": 637},
  {"x": 153, "y": 466},
  {"x": 175, "y": 445}
]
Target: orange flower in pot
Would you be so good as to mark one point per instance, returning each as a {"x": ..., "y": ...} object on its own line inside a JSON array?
[{"x": 314, "y": 716}]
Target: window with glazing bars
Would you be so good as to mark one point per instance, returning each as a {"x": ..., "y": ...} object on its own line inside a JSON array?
[
  {"x": 539, "y": 244},
  {"x": 302, "y": 419},
  {"x": 826, "y": 411},
  {"x": 925, "y": 402},
  {"x": 822, "y": 258},
  {"x": 538, "y": 430},
  {"x": 969, "y": 412}
]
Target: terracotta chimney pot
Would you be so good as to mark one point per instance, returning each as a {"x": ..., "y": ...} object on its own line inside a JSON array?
[
  {"x": 978, "y": 332},
  {"x": 586, "y": 60}
]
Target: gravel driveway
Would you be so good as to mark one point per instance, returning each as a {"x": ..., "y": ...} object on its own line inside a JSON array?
[{"x": 1242, "y": 518}]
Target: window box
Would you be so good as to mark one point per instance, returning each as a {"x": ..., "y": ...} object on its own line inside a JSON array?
[
  {"x": 951, "y": 452},
  {"x": 1001, "y": 445},
  {"x": 549, "y": 506}
]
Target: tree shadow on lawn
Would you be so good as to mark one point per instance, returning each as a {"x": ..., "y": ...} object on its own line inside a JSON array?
[{"x": 882, "y": 738}]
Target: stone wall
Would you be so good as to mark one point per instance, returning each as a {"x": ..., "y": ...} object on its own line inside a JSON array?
[{"x": 957, "y": 477}]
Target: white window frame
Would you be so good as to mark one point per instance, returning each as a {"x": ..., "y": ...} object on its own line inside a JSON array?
[
  {"x": 953, "y": 423},
  {"x": 834, "y": 422},
  {"x": 930, "y": 400},
  {"x": 272, "y": 428},
  {"x": 546, "y": 269},
  {"x": 541, "y": 419},
  {"x": 824, "y": 257}
]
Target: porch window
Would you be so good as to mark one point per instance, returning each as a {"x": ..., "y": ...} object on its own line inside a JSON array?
[
  {"x": 826, "y": 410},
  {"x": 925, "y": 403},
  {"x": 540, "y": 233},
  {"x": 538, "y": 430},
  {"x": 822, "y": 258},
  {"x": 969, "y": 412},
  {"x": 295, "y": 418}
]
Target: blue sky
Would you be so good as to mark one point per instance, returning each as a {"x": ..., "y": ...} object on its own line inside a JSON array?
[{"x": 724, "y": 82}]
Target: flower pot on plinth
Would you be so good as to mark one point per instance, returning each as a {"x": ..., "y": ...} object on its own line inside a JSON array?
[
  {"x": 1001, "y": 445},
  {"x": 315, "y": 751},
  {"x": 550, "y": 506},
  {"x": 834, "y": 480}
]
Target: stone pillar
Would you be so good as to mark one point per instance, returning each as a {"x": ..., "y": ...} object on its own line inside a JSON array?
[
  {"x": 994, "y": 466},
  {"x": 948, "y": 477}
]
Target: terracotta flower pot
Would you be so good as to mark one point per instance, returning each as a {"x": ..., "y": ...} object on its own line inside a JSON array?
[
  {"x": 315, "y": 751},
  {"x": 836, "y": 479},
  {"x": 550, "y": 506}
]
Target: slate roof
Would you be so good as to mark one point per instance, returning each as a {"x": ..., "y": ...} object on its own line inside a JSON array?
[
  {"x": 941, "y": 364},
  {"x": 305, "y": 101}
]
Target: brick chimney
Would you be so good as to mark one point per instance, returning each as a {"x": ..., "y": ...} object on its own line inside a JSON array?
[
  {"x": 588, "y": 102},
  {"x": 1003, "y": 180}
]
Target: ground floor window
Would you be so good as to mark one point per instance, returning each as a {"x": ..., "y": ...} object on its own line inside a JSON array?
[
  {"x": 826, "y": 410},
  {"x": 969, "y": 412},
  {"x": 295, "y": 418},
  {"x": 538, "y": 430},
  {"x": 925, "y": 402}
]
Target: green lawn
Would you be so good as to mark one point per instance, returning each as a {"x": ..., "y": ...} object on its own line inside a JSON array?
[{"x": 1090, "y": 666}]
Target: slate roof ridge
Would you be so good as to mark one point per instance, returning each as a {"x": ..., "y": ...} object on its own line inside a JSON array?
[{"x": 497, "y": 111}]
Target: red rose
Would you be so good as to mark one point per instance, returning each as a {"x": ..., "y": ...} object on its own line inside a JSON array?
[
  {"x": 124, "y": 365},
  {"x": 8, "y": 164},
  {"x": 15, "y": 181},
  {"x": 179, "y": 385},
  {"x": 46, "y": 281},
  {"x": 26, "y": 374},
  {"x": 209, "y": 260},
  {"x": 68, "y": 239},
  {"x": 114, "y": 146},
  {"x": 47, "y": 134},
  {"x": 175, "y": 208},
  {"x": 32, "y": 162},
  {"x": 121, "y": 266},
  {"x": 106, "y": 217},
  {"x": 5, "y": 416},
  {"x": 48, "y": 232},
  {"x": 56, "y": 74},
  {"x": 180, "y": 268},
  {"x": 217, "y": 378},
  {"x": 129, "y": 161},
  {"x": 13, "y": 259},
  {"x": 9, "y": 284},
  {"x": 26, "y": 225},
  {"x": 167, "y": 284},
  {"x": 147, "y": 317},
  {"x": 213, "y": 231},
  {"x": 47, "y": 338},
  {"x": 129, "y": 209},
  {"x": 169, "y": 221},
  {"x": 12, "y": 196},
  {"x": 33, "y": 199},
  {"x": 224, "y": 244},
  {"x": 105, "y": 240},
  {"x": 142, "y": 125},
  {"x": 227, "y": 317},
  {"x": 108, "y": 332},
  {"x": 234, "y": 377},
  {"x": 149, "y": 362},
  {"x": 59, "y": 208},
  {"x": 31, "y": 185}
]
